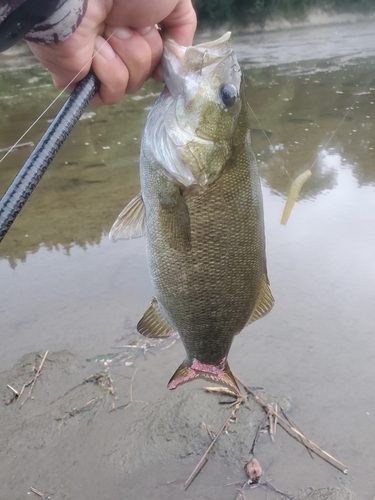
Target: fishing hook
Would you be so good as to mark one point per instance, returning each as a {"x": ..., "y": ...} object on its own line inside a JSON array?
[{"x": 201, "y": 68}]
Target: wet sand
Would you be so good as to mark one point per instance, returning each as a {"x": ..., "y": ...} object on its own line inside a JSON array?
[
  {"x": 67, "y": 289},
  {"x": 66, "y": 438}
]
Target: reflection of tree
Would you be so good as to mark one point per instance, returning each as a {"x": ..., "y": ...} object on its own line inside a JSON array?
[
  {"x": 273, "y": 173},
  {"x": 87, "y": 186},
  {"x": 77, "y": 201},
  {"x": 303, "y": 111},
  {"x": 89, "y": 182}
]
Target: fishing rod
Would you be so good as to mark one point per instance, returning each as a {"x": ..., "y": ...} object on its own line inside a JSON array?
[{"x": 30, "y": 174}]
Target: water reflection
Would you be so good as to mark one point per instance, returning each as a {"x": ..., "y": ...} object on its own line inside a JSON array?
[
  {"x": 91, "y": 179},
  {"x": 312, "y": 111},
  {"x": 311, "y": 118},
  {"x": 318, "y": 341}
]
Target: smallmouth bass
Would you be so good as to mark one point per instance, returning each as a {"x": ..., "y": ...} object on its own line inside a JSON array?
[{"x": 201, "y": 210}]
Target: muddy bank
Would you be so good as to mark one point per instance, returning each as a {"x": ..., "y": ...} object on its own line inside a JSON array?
[{"x": 69, "y": 439}]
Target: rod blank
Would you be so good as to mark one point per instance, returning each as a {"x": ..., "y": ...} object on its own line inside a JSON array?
[{"x": 30, "y": 174}]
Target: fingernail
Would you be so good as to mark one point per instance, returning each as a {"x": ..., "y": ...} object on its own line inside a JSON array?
[
  {"x": 123, "y": 33},
  {"x": 144, "y": 31},
  {"x": 104, "y": 48}
]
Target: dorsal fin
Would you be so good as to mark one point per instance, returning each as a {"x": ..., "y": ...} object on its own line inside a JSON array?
[
  {"x": 152, "y": 324},
  {"x": 264, "y": 303},
  {"x": 131, "y": 222}
]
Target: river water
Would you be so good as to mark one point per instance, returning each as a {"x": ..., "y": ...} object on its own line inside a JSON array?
[{"x": 64, "y": 285}]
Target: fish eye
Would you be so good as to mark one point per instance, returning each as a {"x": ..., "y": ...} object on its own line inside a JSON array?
[{"x": 228, "y": 93}]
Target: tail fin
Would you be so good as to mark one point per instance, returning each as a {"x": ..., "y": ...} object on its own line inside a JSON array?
[{"x": 220, "y": 374}]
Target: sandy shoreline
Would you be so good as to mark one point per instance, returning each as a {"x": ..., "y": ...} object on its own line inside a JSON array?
[{"x": 68, "y": 439}]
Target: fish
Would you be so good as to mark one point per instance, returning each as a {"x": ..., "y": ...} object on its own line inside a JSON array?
[{"x": 201, "y": 210}]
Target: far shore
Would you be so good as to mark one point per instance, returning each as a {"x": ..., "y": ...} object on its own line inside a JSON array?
[{"x": 317, "y": 17}]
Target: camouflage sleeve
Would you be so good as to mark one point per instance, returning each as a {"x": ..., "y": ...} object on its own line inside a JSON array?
[{"x": 58, "y": 26}]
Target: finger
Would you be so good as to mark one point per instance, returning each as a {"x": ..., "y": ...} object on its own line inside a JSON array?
[
  {"x": 176, "y": 16},
  {"x": 111, "y": 71},
  {"x": 155, "y": 42},
  {"x": 65, "y": 66},
  {"x": 157, "y": 75},
  {"x": 140, "y": 51},
  {"x": 181, "y": 23}
]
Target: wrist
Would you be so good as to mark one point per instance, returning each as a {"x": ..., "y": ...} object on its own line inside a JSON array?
[{"x": 61, "y": 24}]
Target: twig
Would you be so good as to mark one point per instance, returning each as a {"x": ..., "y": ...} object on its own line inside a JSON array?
[
  {"x": 222, "y": 390},
  {"x": 35, "y": 378},
  {"x": 131, "y": 385},
  {"x": 273, "y": 423},
  {"x": 209, "y": 431},
  {"x": 253, "y": 485},
  {"x": 67, "y": 392},
  {"x": 14, "y": 390},
  {"x": 168, "y": 346},
  {"x": 75, "y": 411},
  {"x": 257, "y": 434},
  {"x": 16, "y": 146},
  {"x": 276, "y": 417},
  {"x": 204, "y": 456},
  {"x": 240, "y": 495},
  {"x": 24, "y": 387},
  {"x": 269, "y": 485},
  {"x": 13, "y": 397},
  {"x": 131, "y": 389},
  {"x": 293, "y": 424},
  {"x": 314, "y": 447},
  {"x": 39, "y": 493}
]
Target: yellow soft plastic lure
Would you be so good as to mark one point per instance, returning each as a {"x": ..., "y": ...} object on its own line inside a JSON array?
[{"x": 294, "y": 191}]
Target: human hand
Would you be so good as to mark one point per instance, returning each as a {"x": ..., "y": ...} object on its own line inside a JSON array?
[{"x": 133, "y": 48}]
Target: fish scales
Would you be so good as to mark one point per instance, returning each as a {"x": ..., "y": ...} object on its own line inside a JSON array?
[
  {"x": 205, "y": 238},
  {"x": 209, "y": 288}
]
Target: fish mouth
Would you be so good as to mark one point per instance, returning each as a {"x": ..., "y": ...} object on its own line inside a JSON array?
[
  {"x": 178, "y": 60},
  {"x": 191, "y": 137},
  {"x": 201, "y": 55}
]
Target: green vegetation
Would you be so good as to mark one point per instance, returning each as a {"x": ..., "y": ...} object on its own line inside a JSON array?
[{"x": 215, "y": 12}]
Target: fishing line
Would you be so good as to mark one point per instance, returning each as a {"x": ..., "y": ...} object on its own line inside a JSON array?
[
  {"x": 298, "y": 183},
  {"x": 268, "y": 139},
  {"x": 57, "y": 97},
  {"x": 204, "y": 55},
  {"x": 361, "y": 92}
]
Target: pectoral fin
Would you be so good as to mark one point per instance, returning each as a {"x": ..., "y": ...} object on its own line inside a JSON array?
[
  {"x": 153, "y": 325},
  {"x": 264, "y": 303},
  {"x": 176, "y": 218},
  {"x": 220, "y": 374},
  {"x": 131, "y": 222}
]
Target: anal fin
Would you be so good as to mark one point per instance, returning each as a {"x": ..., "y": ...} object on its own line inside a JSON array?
[
  {"x": 264, "y": 303},
  {"x": 152, "y": 324},
  {"x": 131, "y": 223}
]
